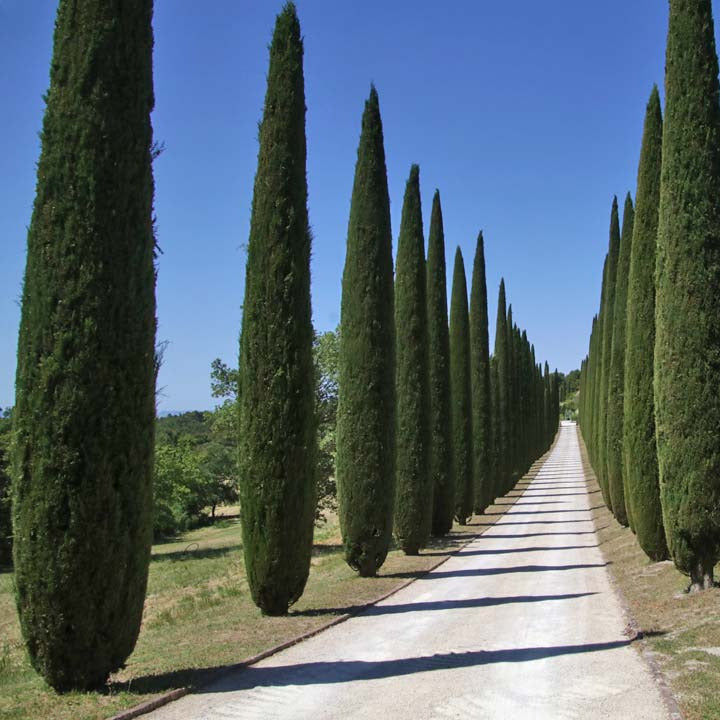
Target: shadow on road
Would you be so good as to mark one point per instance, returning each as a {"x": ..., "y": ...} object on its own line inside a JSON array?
[
  {"x": 440, "y": 605},
  {"x": 327, "y": 673},
  {"x": 480, "y": 572}
]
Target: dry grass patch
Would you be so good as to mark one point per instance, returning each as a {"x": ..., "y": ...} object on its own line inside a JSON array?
[{"x": 681, "y": 631}]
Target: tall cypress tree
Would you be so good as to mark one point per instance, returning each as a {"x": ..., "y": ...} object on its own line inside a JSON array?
[
  {"x": 616, "y": 378},
  {"x": 597, "y": 381},
  {"x": 461, "y": 392},
  {"x": 413, "y": 498},
  {"x": 494, "y": 489},
  {"x": 85, "y": 404},
  {"x": 277, "y": 423},
  {"x": 503, "y": 371},
  {"x": 441, "y": 458},
  {"x": 480, "y": 374},
  {"x": 642, "y": 486},
  {"x": 687, "y": 346},
  {"x": 512, "y": 411},
  {"x": 608, "y": 318},
  {"x": 365, "y": 464}
]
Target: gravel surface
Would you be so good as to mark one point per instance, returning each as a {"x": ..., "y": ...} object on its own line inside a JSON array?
[{"x": 521, "y": 623}]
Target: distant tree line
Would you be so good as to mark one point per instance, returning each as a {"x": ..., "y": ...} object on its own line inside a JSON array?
[{"x": 650, "y": 410}]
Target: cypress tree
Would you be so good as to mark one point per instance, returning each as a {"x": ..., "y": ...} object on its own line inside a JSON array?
[
  {"x": 616, "y": 378},
  {"x": 642, "y": 486},
  {"x": 495, "y": 429},
  {"x": 441, "y": 458},
  {"x": 608, "y": 318},
  {"x": 598, "y": 378},
  {"x": 365, "y": 464},
  {"x": 85, "y": 387},
  {"x": 461, "y": 392},
  {"x": 512, "y": 412},
  {"x": 413, "y": 499},
  {"x": 503, "y": 371},
  {"x": 480, "y": 375},
  {"x": 687, "y": 346},
  {"x": 276, "y": 386}
]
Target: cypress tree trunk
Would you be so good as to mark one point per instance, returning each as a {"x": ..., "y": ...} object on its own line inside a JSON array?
[
  {"x": 461, "y": 392},
  {"x": 642, "y": 486},
  {"x": 616, "y": 379},
  {"x": 277, "y": 423},
  {"x": 687, "y": 346},
  {"x": 413, "y": 499},
  {"x": 608, "y": 319},
  {"x": 85, "y": 404},
  {"x": 365, "y": 463},
  {"x": 441, "y": 458},
  {"x": 503, "y": 370},
  {"x": 480, "y": 375}
]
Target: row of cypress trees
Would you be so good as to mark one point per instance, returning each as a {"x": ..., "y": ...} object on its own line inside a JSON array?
[
  {"x": 446, "y": 454},
  {"x": 649, "y": 410},
  {"x": 84, "y": 415}
]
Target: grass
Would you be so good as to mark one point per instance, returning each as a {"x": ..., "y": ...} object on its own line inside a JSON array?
[
  {"x": 681, "y": 630},
  {"x": 199, "y": 616}
]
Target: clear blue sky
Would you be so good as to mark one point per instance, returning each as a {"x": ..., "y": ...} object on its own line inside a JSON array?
[{"x": 527, "y": 116}]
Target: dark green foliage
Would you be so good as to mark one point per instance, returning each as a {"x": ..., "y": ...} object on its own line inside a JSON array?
[
  {"x": 616, "y": 377},
  {"x": 276, "y": 389},
  {"x": 461, "y": 392},
  {"x": 441, "y": 465},
  {"x": 5, "y": 515},
  {"x": 494, "y": 484},
  {"x": 502, "y": 359},
  {"x": 413, "y": 498},
  {"x": 642, "y": 486},
  {"x": 85, "y": 385},
  {"x": 366, "y": 404},
  {"x": 597, "y": 378},
  {"x": 513, "y": 409},
  {"x": 608, "y": 319},
  {"x": 687, "y": 343},
  {"x": 480, "y": 374}
]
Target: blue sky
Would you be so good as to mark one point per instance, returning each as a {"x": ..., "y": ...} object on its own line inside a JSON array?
[{"x": 527, "y": 116}]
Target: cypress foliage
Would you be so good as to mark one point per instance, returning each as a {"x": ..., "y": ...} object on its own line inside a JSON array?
[
  {"x": 480, "y": 374},
  {"x": 413, "y": 499},
  {"x": 642, "y": 486},
  {"x": 687, "y": 347},
  {"x": 512, "y": 400},
  {"x": 502, "y": 359},
  {"x": 85, "y": 403},
  {"x": 597, "y": 405},
  {"x": 276, "y": 386},
  {"x": 616, "y": 378},
  {"x": 461, "y": 392},
  {"x": 441, "y": 458},
  {"x": 495, "y": 446},
  {"x": 365, "y": 463},
  {"x": 608, "y": 318}
]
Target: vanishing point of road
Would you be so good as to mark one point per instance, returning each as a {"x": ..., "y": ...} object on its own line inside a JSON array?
[{"x": 521, "y": 623}]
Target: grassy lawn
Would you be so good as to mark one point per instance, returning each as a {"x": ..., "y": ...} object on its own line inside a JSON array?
[
  {"x": 681, "y": 631},
  {"x": 199, "y": 616}
]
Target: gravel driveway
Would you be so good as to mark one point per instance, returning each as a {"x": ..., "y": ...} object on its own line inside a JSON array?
[{"x": 521, "y": 623}]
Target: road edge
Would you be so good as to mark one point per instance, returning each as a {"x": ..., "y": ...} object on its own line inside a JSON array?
[{"x": 635, "y": 633}]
